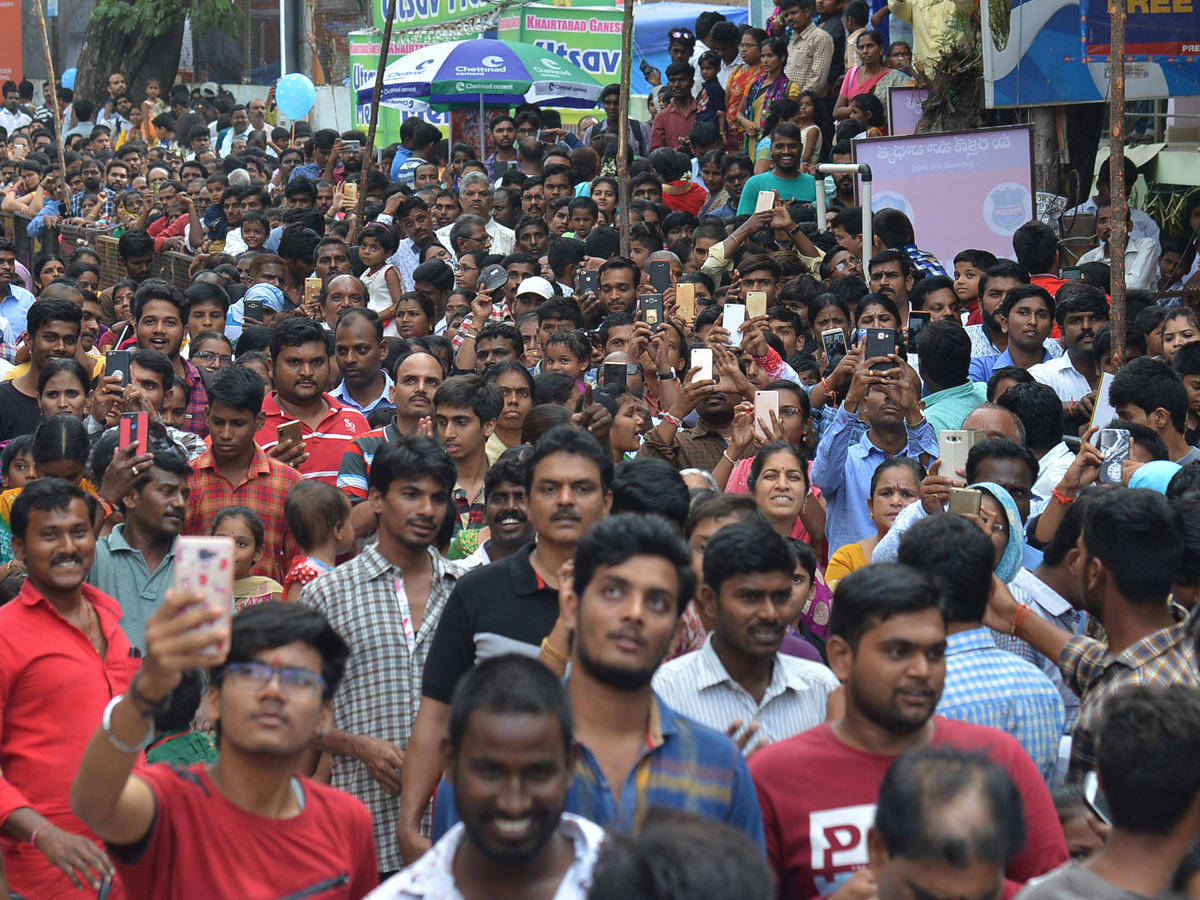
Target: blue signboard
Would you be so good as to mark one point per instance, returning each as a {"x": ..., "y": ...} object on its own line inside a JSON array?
[{"x": 1045, "y": 52}]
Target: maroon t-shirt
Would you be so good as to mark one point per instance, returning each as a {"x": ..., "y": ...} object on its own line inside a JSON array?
[
  {"x": 818, "y": 801},
  {"x": 201, "y": 846}
]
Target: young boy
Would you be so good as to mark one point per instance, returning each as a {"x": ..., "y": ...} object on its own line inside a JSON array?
[
  {"x": 256, "y": 228},
  {"x": 569, "y": 352},
  {"x": 466, "y": 409},
  {"x": 214, "y": 221},
  {"x": 176, "y": 403},
  {"x": 582, "y": 213},
  {"x": 318, "y": 516},
  {"x": 968, "y": 266}
]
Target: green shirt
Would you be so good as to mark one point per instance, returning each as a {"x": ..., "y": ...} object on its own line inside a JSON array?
[
  {"x": 121, "y": 572},
  {"x": 946, "y": 409},
  {"x": 183, "y": 747},
  {"x": 802, "y": 188}
]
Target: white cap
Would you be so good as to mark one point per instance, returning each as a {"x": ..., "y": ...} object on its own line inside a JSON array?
[
  {"x": 209, "y": 89},
  {"x": 535, "y": 284}
]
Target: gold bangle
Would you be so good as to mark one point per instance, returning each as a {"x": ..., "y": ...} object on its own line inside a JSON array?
[
  {"x": 732, "y": 461},
  {"x": 551, "y": 653}
]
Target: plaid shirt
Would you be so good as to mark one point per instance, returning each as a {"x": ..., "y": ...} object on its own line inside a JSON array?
[
  {"x": 263, "y": 488},
  {"x": 499, "y": 314},
  {"x": 77, "y": 205},
  {"x": 1164, "y": 657},
  {"x": 382, "y": 688},
  {"x": 810, "y": 55},
  {"x": 681, "y": 766},
  {"x": 194, "y": 418},
  {"x": 989, "y": 686},
  {"x": 470, "y": 510}
]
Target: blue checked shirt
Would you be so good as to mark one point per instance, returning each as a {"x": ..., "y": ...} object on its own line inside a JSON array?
[
  {"x": 989, "y": 686},
  {"x": 683, "y": 766},
  {"x": 846, "y": 459}
]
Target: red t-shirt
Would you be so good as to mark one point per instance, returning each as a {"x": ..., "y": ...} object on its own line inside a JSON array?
[
  {"x": 325, "y": 445},
  {"x": 818, "y": 801},
  {"x": 201, "y": 846}
]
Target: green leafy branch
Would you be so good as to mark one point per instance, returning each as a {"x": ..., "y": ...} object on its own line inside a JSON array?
[{"x": 154, "y": 18}]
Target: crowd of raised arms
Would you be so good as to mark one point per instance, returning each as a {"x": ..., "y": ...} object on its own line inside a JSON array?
[{"x": 751, "y": 562}]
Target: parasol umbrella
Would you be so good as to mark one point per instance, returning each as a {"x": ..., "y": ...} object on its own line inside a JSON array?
[{"x": 480, "y": 72}]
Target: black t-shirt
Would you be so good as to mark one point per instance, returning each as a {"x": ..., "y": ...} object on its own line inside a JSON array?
[
  {"x": 500, "y": 608},
  {"x": 18, "y": 413}
]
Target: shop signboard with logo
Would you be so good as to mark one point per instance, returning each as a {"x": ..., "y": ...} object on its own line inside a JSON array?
[
  {"x": 959, "y": 188},
  {"x": 588, "y": 36}
]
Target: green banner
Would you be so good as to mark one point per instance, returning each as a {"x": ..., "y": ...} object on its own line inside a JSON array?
[
  {"x": 364, "y": 63},
  {"x": 588, "y": 36}
]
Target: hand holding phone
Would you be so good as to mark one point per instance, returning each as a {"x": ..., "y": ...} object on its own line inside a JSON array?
[
  {"x": 765, "y": 403},
  {"x": 205, "y": 565},
  {"x": 702, "y": 359},
  {"x": 733, "y": 318}
]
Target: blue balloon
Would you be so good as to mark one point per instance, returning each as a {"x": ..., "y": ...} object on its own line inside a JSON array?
[
  {"x": 68, "y": 79},
  {"x": 295, "y": 95}
]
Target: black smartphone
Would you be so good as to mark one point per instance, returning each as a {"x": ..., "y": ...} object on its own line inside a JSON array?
[
  {"x": 651, "y": 309},
  {"x": 614, "y": 373},
  {"x": 116, "y": 362},
  {"x": 880, "y": 342},
  {"x": 1071, "y": 273},
  {"x": 587, "y": 280},
  {"x": 646, "y": 68},
  {"x": 660, "y": 274},
  {"x": 252, "y": 309},
  {"x": 502, "y": 167},
  {"x": 917, "y": 320}
]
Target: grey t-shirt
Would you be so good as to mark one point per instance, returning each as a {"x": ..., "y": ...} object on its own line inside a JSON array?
[{"x": 1073, "y": 882}]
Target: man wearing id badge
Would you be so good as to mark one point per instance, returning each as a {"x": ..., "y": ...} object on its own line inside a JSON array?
[{"x": 386, "y": 603}]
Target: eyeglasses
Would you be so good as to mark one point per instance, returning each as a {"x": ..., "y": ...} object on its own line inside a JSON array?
[
  {"x": 847, "y": 263},
  {"x": 207, "y": 356},
  {"x": 254, "y": 676}
]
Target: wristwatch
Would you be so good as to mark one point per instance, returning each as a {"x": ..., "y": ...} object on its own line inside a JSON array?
[
  {"x": 669, "y": 376},
  {"x": 796, "y": 228}
]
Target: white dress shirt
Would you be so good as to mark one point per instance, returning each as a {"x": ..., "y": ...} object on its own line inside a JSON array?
[
  {"x": 1061, "y": 375},
  {"x": 1143, "y": 225},
  {"x": 432, "y": 876},
  {"x": 503, "y": 239},
  {"x": 1141, "y": 262},
  {"x": 697, "y": 686}
]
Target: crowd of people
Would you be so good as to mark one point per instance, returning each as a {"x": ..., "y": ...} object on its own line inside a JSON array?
[{"x": 752, "y": 561}]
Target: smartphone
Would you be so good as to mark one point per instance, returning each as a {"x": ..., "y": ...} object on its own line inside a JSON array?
[
  {"x": 205, "y": 564},
  {"x": 880, "y": 342},
  {"x": 290, "y": 431},
  {"x": 1114, "y": 444},
  {"x": 614, "y": 373},
  {"x": 1071, "y": 273},
  {"x": 312, "y": 290},
  {"x": 587, "y": 280},
  {"x": 965, "y": 501},
  {"x": 916, "y": 321},
  {"x": 660, "y": 274},
  {"x": 685, "y": 300},
  {"x": 765, "y": 202},
  {"x": 502, "y": 166},
  {"x": 105, "y": 889},
  {"x": 252, "y": 309},
  {"x": 645, "y": 68},
  {"x": 765, "y": 403},
  {"x": 702, "y": 357},
  {"x": 756, "y": 304},
  {"x": 733, "y": 318},
  {"x": 135, "y": 429},
  {"x": 350, "y": 192},
  {"x": 651, "y": 306},
  {"x": 1094, "y": 798},
  {"x": 953, "y": 447},
  {"x": 353, "y": 147},
  {"x": 834, "y": 342},
  {"x": 545, "y": 137},
  {"x": 116, "y": 362}
]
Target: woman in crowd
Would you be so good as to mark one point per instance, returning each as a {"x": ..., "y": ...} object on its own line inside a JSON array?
[
  {"x": 870, "y": 75},
  {"x": 769, "y": 86},
  {"x": 895, "y": 485}
]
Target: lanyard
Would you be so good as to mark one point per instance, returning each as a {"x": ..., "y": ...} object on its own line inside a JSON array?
[{"x": 410, "y": 636}]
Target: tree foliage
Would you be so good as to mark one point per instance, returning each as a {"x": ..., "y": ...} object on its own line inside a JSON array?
[{"x": 155, "y": 18}]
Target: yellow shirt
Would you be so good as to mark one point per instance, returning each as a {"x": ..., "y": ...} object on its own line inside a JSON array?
[
  {"x": 19, "y": 370},
  {"x": 937, "y": 24}
]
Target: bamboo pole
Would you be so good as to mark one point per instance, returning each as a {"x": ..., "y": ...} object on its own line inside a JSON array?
[
  {"x": 1118, "y": 190},
  {"x": 369, "y": 150},
  {"x": 62, "y": 157},
  {"x": 623, "y": 125}
]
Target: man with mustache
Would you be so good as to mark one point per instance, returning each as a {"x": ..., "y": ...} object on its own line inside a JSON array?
[
  {"x": 300, "y": 369},
  {"x": 136, "y": 559},
  {"x": 818, "y": 790},
  {"x": 1079, "y": 310},
  {"x": 739, "y": 682},
  {"x": 387, "y": 603},
  {"x": 505, "y": 514},
  {"x": 891, "y": 273},
  {"x": 62, "y": 657},
  {"x": 508, "y": 606},
  {"x": 360, "y": 349}
]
